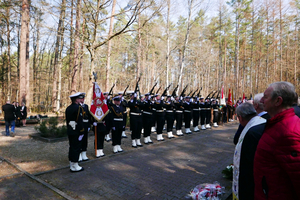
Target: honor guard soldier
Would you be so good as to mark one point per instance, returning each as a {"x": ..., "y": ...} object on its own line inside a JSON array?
[
  {"x": 117, "y": 112},
  {"x": 147, "y": 118},
  {"x": 160, "y": 116},
  {"x": 187, "y": 114},
  {"x": 87, "y": 125},
  {"x": 124, "y": 104},
  {"x": 202, "y": 113},
  {"x": 169, "y": 106},
  {"x": 108, "y": 117},
  {"x": 208, "y": 112},
  {"x": 215, "y": 106},
  {"x": 178, "y": 115},
  {"x": 153, "y": 99},
  {"x": 196, "y": 113},
  {"x": 75, "y": 130},
  {"x": 136, "y": 122}
]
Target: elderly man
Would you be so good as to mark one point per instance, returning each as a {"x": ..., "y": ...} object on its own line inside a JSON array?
[
  {"x": 243, "y": 181},
  {"x": 277, "y": 159}
]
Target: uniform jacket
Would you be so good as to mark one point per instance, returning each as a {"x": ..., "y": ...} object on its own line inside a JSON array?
[
  {"x": 74, "y": 112},
  {"x": 9, "y": 112},
  {"x": 277, "y": 159}
]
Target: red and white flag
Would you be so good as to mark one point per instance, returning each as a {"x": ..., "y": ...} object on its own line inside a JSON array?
[
  {"x": 222, "y": 100},
  {"x": 99, "y": 108}
]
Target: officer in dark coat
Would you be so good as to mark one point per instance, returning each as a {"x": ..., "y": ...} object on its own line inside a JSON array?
[
  {"x": 87, "y": 125},
  {"x": 170, "y": 107},
  {"x": 196, "y": 113},
  {"x": 147, "y": 118},
  {"x": 75, "y": 130},
  {"x": 136, "y": 121},
  {"x": 202, "y": 113},
  {"x": 187, "y": 114},
  {"x": 178, "y": 115},
  {"x": 160, "y": 116},
  {"x": 117, "y": 112}
]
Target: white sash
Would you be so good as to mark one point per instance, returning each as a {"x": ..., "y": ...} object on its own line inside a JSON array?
[{"x": 237, "y": 153}]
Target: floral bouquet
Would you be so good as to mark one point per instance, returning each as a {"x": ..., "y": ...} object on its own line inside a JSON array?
[
  {"x": 228, "y": 172},
  {"x": 207, "y": 191}
]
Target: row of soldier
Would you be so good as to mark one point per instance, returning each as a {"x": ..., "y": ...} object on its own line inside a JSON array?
[{"x": 144, "y": 112}]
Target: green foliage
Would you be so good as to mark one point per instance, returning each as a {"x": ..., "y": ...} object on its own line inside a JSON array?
[
  {"x": 228, "y": 172},
  {"x": 49, "y": 128}
]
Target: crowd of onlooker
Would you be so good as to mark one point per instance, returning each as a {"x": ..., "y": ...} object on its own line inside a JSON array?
[{"x": 14, "y": 115}]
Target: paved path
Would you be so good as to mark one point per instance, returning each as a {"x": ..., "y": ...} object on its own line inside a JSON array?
[{"x": 163, "y": 170}]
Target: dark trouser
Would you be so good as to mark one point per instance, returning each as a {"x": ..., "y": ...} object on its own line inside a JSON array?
[
  {"x": 101, "y": 132},
  {"x": 74, "y": 147},
  {"x": 187, "y": 119},
  {"x": 18, "y": 122},
  {"x": 170, "y": 120},
  {"x": 9, "y": 124},
  {"x": 117, "y": 133},
  {"x": 208, "y": 116},
  {"x": 85, "y": 137},
  {"x": 153, "y": 118},
  {"x": 178, "y": 118},
  {"x": 124, "y": 121},
  {"x": 147, "y": 124},
  {"x": 136, "y": 125},
  {"x": 203, "y": 116},
  {"x": 160, "y": 120},
  {"x": 195, "y": 118},
  {"x": 216, "y": 116}
]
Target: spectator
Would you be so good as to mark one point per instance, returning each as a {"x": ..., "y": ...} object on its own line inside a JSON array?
[
  {"x": 23, "y": 111},
  {"x": 277, "y": 157},
  {"x": 9, "y": 117},
  {"x": 243, "y": 180}
]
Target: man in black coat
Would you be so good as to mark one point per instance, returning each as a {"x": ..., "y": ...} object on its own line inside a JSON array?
[{"x": 9, "y": 117}]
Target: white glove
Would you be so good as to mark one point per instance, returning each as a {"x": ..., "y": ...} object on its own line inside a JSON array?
[
  {"x": 192, "y": 100},
  {"x": 172, "y": 99},
  {"x": 122, "y": 98},
  {"x": 162, "y": 98},
  {"x": 181, "y": 98},
  {"x": 197, "y": 98},
  {"x": 135, "y": 95},
  {"x": 108, "y": 97},
  {"x": 95, "y": 124},
  {"x": 73, "y": 124},
  {"x": 149, "y": 97},
  {"x": 80, "y": 137}
]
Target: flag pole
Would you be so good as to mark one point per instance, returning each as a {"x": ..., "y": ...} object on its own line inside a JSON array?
[{"x": 95, "y": 140}]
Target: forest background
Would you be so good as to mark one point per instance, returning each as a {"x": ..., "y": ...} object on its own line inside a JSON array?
[{"x": 50, "y": 48}]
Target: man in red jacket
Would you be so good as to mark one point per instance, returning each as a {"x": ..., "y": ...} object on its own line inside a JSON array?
[{"x": 277, "y": 157}]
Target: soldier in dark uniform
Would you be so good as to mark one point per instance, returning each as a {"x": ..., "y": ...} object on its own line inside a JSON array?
[
  {"x": 118, "y": 125},
  {"x": 208, "y": 112},
  {"x": 124, "y": 104},
  {"x": 178, "y": 115},
  {"x": 108, "y": 117},
  {"x": 101, "y": 133},
  {"x": 196, "y": 113},
  {"x": 202, "y": 113},
  {"x": 87, "y": 125},
  {"x": 136, "y": 121},
  {"x": 169, "y": 105},
  {"x": 215, "y": 106},
  {"x": 160, "y": 116},
  {"x": 75, "y": 130},
  {"x": 153, "y": 129},
  {"x": 147, "y": 118},
  {"x": 187, "y": 114}
]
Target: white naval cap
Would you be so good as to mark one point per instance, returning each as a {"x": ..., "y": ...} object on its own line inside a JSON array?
[{"x": 77, "y": 94}]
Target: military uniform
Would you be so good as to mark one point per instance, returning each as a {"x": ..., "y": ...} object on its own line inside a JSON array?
[
  {"x": 160, "y": 118},
  {"x": 75, "y": 130},
  {"x": 169, "y": 106},
  {"x": 187, "y": 115},
  {"x": 178, "y": 115},
  {"x": 208, "y": 113},
  {"x": 196, "y": 114},
  {"x": 215, "y": 106},
  {"x": 124, "y": 104},
  {"x": 202, "y": 113},
  {"x": 101, "y": 133},
  {"x": 147, "y": 118},
  {"x": 136, "y": 121}
]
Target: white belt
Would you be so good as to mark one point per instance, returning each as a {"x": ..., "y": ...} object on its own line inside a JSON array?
[
  {"x": 187, "y": 111},
  {"x": 118, "y": 119},
  {"x": 85, "y": 120},
  {"x": 153, "y": 109},
  {"x": 216, "y": 110},
  {"x": 179, "y": 111},
  {"x": 149, "y": 113},
  {"x": 170, "y": 111},
  {"x": 125, "y": 112},
  {"x": 196, "y": 109},
  {"x": 136, "y": 114},
  {"x": 159, "y": 110}
]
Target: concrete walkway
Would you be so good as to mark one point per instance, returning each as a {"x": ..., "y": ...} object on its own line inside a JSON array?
[{"x": 163, "y": 170}]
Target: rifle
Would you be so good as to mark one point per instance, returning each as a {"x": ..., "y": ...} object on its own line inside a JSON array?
[
  {"x": 209, "y": 94},
  {"x": 166, "y": 90},
  {"x": 183, "y": 91},
  {"x": 151, "y": 91},
  {"x": 190, "y": 93},
  {"x": 198, "y": 95},
  {"x": 174, "y": 91},
  {"x": 212, "y": 96},
  {"x": 218, "y": 95},
  {"x": 111, "y": 89},
  {"x": 194, "y": 93},
  {"x": 124, "y": 93},
  {"x": 158, "y": 90}
]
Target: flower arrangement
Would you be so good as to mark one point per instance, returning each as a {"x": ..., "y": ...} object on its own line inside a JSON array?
[
  {"x": 228, "y": 172},
  {"x": 207, "y": 191}
]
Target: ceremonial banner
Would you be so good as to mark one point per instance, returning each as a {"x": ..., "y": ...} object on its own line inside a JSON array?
[
  {"x": 229, "y": 98},
  {"x": 99, "y": 108},
  {"x": 222, "y": 100}
]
